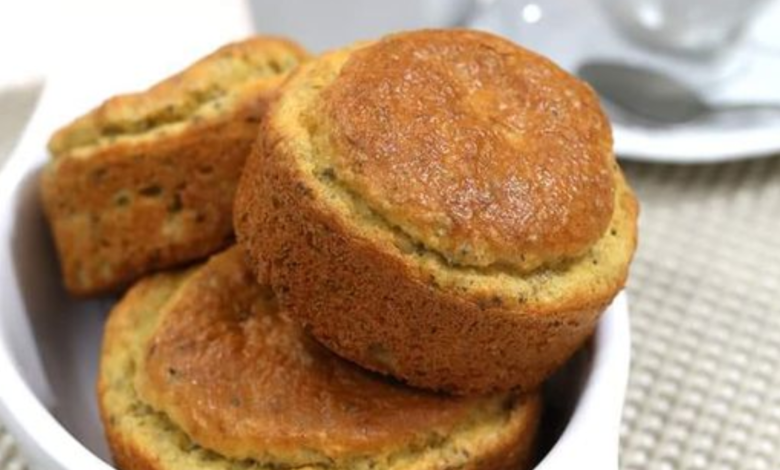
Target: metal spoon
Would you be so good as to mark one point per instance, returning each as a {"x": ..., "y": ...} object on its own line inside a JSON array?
[{"x": 655, "y": 95}]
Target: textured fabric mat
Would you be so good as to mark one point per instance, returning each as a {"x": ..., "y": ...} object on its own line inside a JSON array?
[
  {"x": 9, "y": 456},
  {"x": 705, "y": 308},
  {"x": 704, "y": 388}
]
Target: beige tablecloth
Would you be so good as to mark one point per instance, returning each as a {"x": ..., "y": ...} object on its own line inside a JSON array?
[{"x": 705, "y": 309}]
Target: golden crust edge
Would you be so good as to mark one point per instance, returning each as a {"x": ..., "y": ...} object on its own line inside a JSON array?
[{"x": 168, "y": 90}]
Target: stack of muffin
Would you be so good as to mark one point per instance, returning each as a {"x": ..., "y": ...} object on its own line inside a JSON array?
[{"x": 427, "y": 226}]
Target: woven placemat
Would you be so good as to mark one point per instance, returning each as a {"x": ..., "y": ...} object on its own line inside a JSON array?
[
  {"x": 704, "y": 390},
  {"x": 705, "y": 301},
  {"x": 9, "y": 456}
]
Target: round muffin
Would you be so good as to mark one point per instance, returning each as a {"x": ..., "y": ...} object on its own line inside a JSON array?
[
  {"x": 440, "y": 206},
  {"x": 201, "y": 370}
]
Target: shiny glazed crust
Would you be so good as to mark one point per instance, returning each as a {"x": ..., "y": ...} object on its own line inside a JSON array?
[
  {"x": 146, "y": 181},
  {"x": 374, "y": 292},
  {"x": 143, "y": 438}
]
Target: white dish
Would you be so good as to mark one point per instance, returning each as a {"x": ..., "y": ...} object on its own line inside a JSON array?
[
  {"x": 49, "y": 342},
  {"x": 574, "y": 32}
]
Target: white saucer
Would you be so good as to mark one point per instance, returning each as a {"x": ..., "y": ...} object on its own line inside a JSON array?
[{"x": 572, "y": 32}]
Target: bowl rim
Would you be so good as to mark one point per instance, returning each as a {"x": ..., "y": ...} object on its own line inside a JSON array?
[{"x": 45, "y": 443}]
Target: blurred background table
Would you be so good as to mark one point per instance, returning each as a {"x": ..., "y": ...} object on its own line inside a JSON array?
[{"x": 704, "y": 389}]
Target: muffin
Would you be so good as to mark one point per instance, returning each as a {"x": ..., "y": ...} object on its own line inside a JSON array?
[
  {"x": 201, "y": 370},
  {"x": 439, "y": 206},
  {"x": 146, "y": 181}
]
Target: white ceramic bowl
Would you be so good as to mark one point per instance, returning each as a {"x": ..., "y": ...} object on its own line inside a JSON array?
[{"x": 49, "y": 343}]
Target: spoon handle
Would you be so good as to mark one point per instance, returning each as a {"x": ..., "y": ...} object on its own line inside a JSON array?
[{"x": 746, "y": 107}]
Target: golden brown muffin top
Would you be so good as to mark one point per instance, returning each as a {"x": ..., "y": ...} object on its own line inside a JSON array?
[
  {"x": 478, "y": 149},
  {"x": 204, "y": 90},
  {"x": 241, "y": 379}
]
